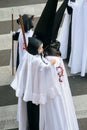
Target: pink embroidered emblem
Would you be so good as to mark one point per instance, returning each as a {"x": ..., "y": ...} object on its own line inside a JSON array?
[
  {"x": 60, "y": 73},
  {"x": 24, "y": 47}
]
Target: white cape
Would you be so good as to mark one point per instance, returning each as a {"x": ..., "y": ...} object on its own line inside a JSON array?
[{"x": 56, "y": 106}]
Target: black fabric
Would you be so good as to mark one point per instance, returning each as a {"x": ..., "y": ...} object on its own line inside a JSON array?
[
  {"x": 16, "y": 36},
  {"x": 69, "y": 40},
  {"x": 58, "y": 19},
  {"x": 27, "y": 21},
  {"x": 18, "y": 21},
  {"x": 53, "y": 49},
  {"x": 33, "y": 116},
  {"x": 57, "y": 22},
  {"x": 43, "y": 30},
  {"x": 73, "y": 0},
  {"x": 33, "y": 45},
  {"x": 17, "y": 62},
  {"x": 69, "y": 10}
]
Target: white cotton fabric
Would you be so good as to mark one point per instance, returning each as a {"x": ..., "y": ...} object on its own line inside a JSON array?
[
  {"x": 63, "y": 35},
  {"x": 31, "y": 80},
  {"x": 21, "y": 42},
  {"x": 56, "y": 106},
  {"x": 22, "y": 115},
  {"x": 78, "y": 57},
  {"x": 61, "y": 107},
  {"x": 15, "y": 52}
]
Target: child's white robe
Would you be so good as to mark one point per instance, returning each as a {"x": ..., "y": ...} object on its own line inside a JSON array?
[{"x": 38, "y": 82}]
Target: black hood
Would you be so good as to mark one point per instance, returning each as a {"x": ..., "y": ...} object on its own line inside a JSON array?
[
  {"x": 33, "y": 45},
  {"x": 27, "y": 21},
  {"x": 43, "y": 30}
]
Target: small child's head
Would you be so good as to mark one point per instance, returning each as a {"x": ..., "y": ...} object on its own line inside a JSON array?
[{"x": 35, "y": 46}]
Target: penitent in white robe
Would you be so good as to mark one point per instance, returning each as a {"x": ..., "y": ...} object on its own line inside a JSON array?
[
  {"x": 40, "y": 83},
  {"x": 64, "y": 34},
  {"x": 78, "y": 56},
  {"x": 21, "y": 45}
]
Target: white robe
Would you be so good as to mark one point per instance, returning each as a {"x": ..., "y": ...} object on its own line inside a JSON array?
[
  {"x": 39, "y": 83},
  {"x": 78, "y": 56},
  {"x": 63, "y": 35},
  {"x": 21, "y": 42},
  {"x": 15, "y": 51}
]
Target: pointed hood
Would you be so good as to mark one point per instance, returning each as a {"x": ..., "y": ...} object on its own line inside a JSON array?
[
  {"x": 43, "y": 30},
  {"x": 58, "y": 19}
]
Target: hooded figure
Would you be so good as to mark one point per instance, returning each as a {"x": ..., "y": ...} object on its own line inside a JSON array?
[
  {"x": 46, "y": 30},
  {"x": 54, "y": 48},
  {"x": 58, "y": 19},
  {"x": 45, "y": 101},
  {"x": 43, "y": 98},
  {"x": 48, "y": 26},
  {"x": 44, "y": 87},
  {"x": 27, "y": 22},
  {"x": 43, "y": 30},
  {"x": 18, "y": 38},
  {"x": 60, "y": 14}
]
